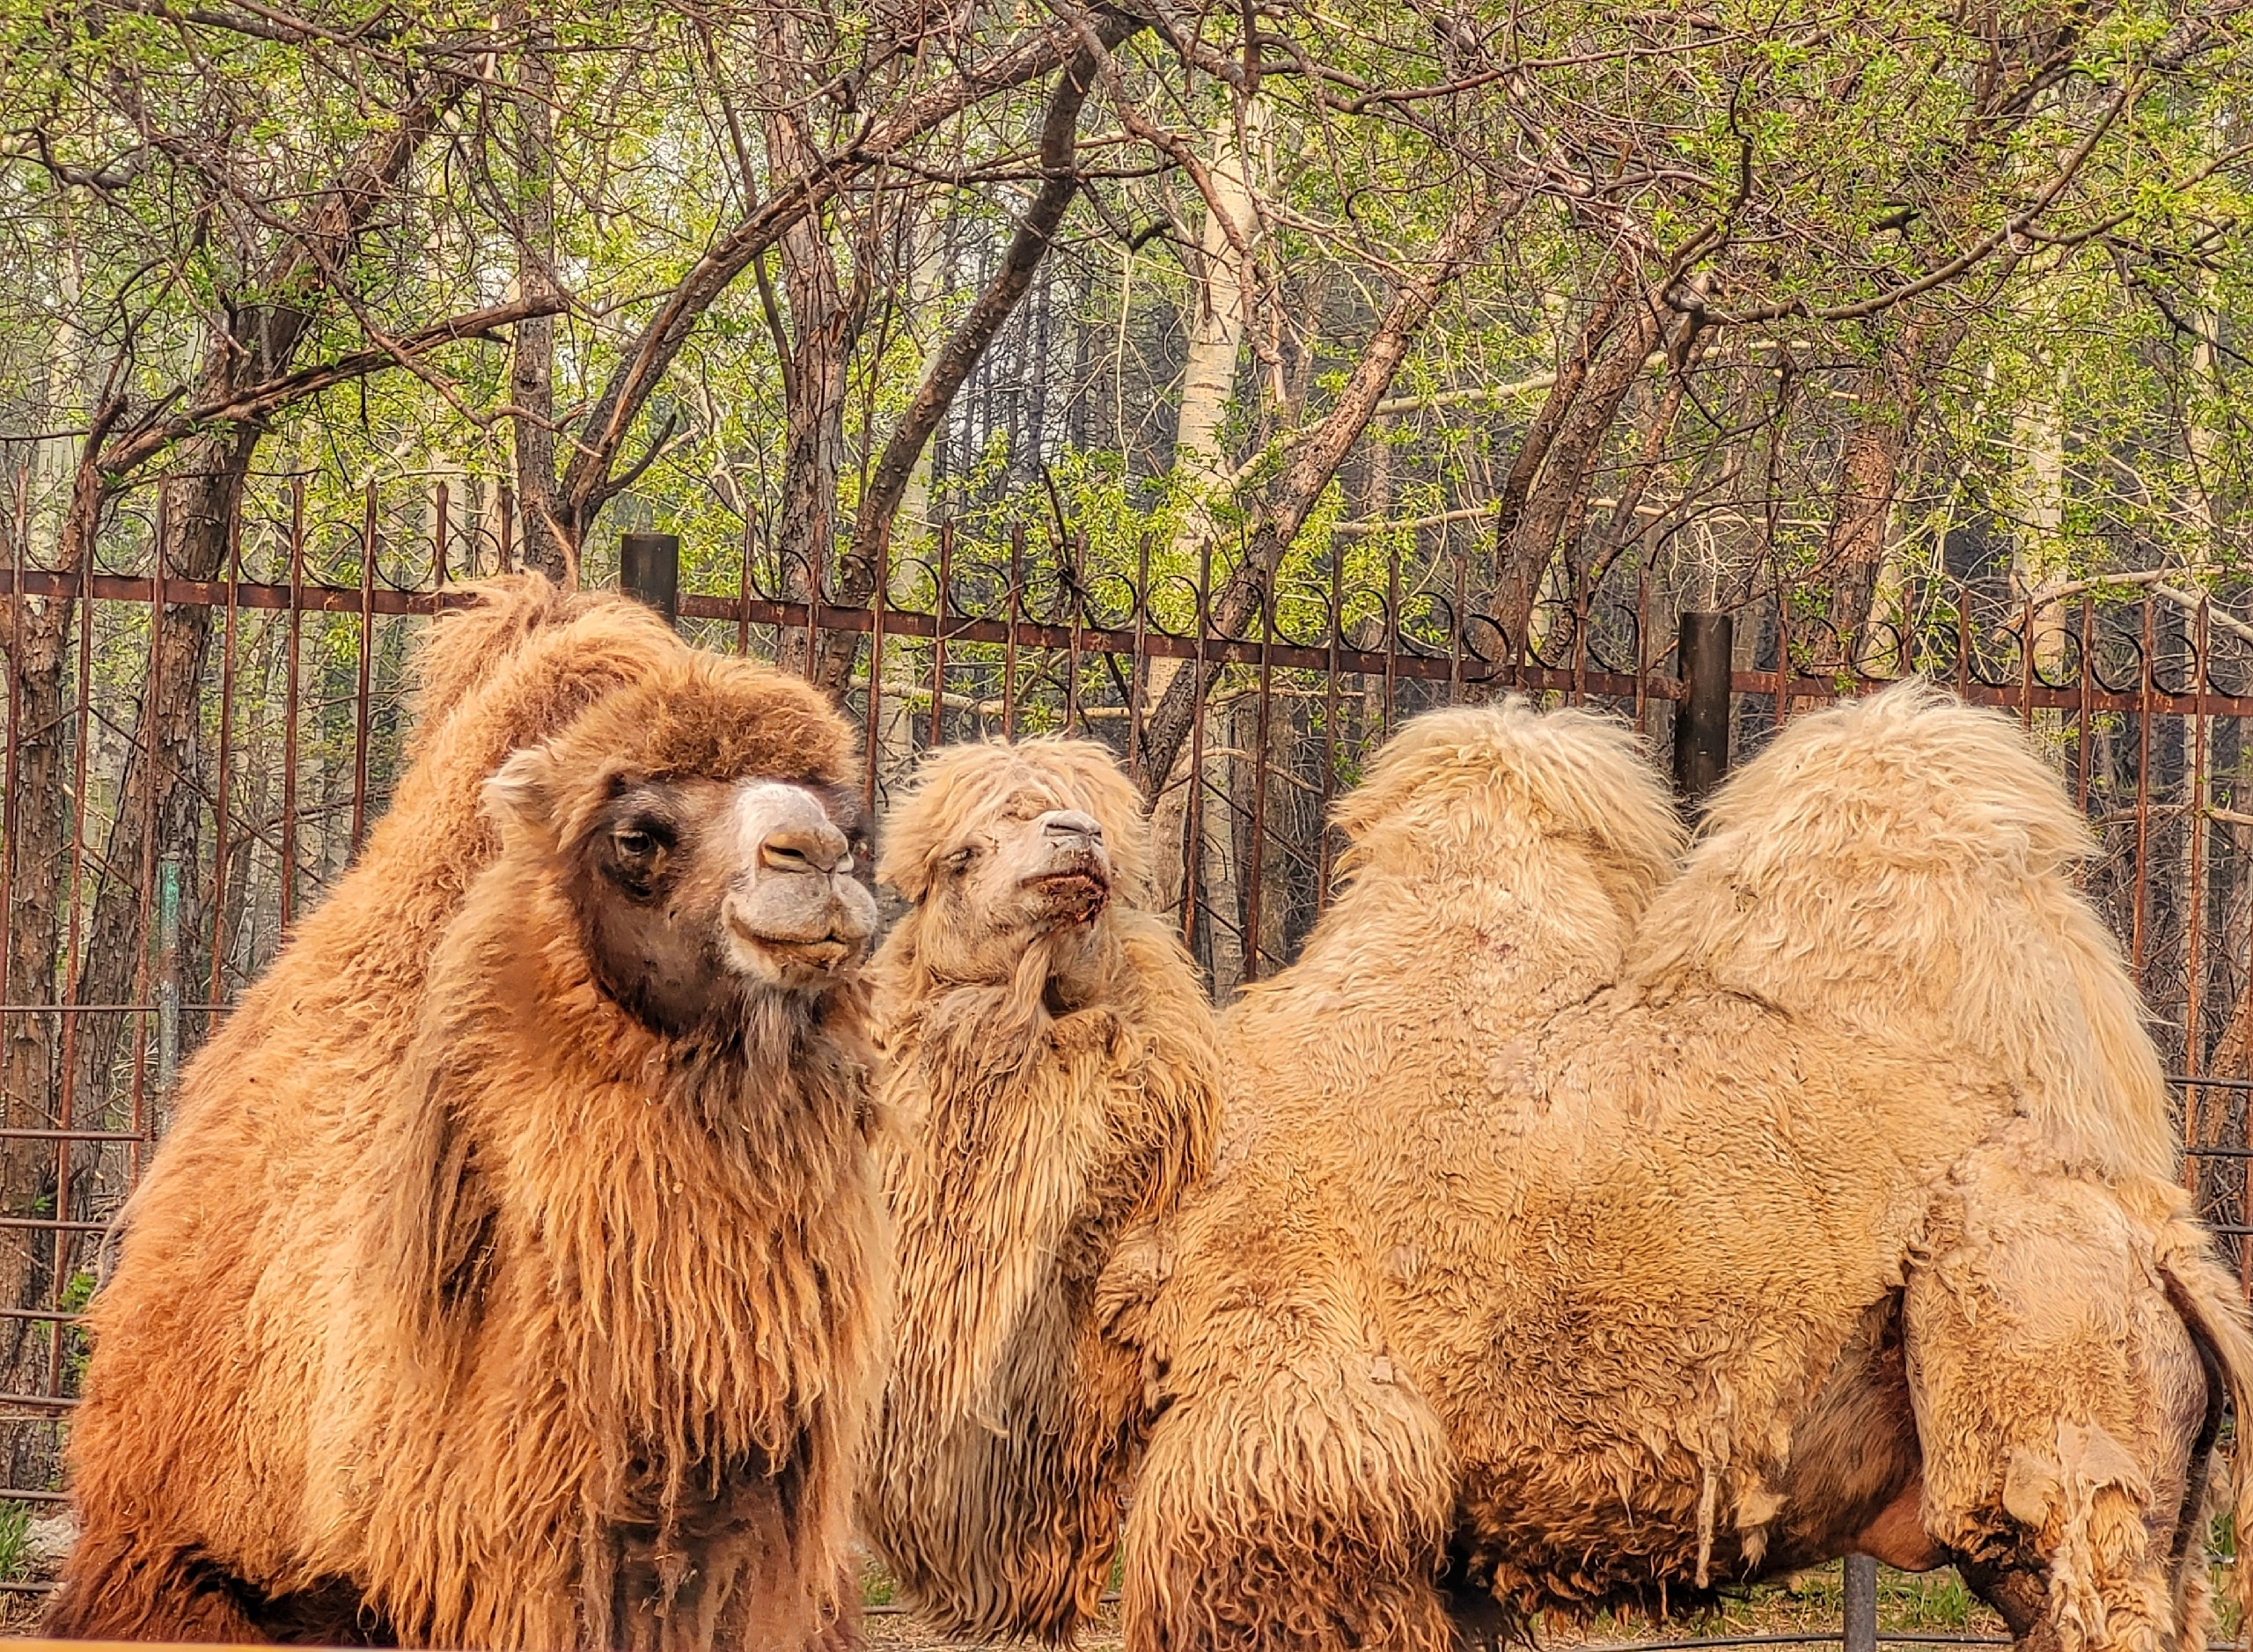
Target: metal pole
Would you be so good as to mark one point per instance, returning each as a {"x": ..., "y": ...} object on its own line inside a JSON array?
[
  {"x": 648, "y": 571},
  {"x": 1861, "y": 1604},
  {"x": 167, "y": 985},
  {"x": 1701, "y": 716}
]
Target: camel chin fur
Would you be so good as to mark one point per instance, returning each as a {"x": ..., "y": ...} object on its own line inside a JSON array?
[{"x": 1818, "y": 1198}]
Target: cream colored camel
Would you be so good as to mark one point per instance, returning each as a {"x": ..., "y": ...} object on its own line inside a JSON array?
[
  {"x": 1581, "y": 1237},
  {"x": 1048, "y": 1055}
]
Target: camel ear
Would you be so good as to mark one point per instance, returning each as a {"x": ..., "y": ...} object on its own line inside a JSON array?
[
  {"x": 520, "y": 791},
  {"x": 910, "y": 879}
]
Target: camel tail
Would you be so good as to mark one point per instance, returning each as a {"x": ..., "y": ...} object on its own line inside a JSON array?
[
  {"x": 1904, "y": 866},
  {"x": 2212, "y": 1309}
]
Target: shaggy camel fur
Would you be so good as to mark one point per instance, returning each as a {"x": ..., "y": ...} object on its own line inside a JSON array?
[
  {"x": 1050, "y": 1065},
  {"x": 1581, "y": 1237},
  {"x": 1844, "y": 1220},
  {"x": 512, "y": 1274}
]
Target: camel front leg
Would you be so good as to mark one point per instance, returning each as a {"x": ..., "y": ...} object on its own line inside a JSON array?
[{"x": 1303, "y": 1510}]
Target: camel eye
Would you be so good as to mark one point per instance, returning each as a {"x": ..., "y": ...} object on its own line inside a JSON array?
[
  {"x": 636, "y": 843},
  {"x": 960, "y": 860}
]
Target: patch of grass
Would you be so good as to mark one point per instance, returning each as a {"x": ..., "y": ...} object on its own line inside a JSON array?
[
  {"x": 15, "y": 1539},
  {"x": 1809, "y": 1601},
  {"x": 876, "y": 1587},
  {"x": 78, "y": 1291}
]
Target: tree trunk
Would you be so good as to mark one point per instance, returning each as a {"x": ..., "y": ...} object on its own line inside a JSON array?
[
  {"x": 39, "y": 633},
  {"x": 1209, "y": 374},
  {"x": 1855, "y": 546},
  {"x": 1561, "y": 450},
  {"x": 553, "y": 538},
  {"x": 2038, "y": 561},
  {"x": 943, "y": 375},
  {"x": 158, "y": 786},
  {"x": 826, "y": 318}
]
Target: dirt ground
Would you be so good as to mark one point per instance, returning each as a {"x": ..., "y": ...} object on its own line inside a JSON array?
[{"x": 1809, "y": 1604}]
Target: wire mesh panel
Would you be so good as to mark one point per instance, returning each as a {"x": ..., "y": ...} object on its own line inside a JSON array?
[{"x": 190, "y": 763}]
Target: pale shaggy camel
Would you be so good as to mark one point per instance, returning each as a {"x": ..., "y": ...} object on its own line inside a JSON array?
[
  {"x": 1844, "y": 1220},
  {"x": 1581, "y": 1237},
  {"x": 513, "y": 1275},
  {"x": 1049, "y": 1062}
]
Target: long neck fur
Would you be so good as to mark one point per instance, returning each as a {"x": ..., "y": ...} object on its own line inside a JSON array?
[
  {"x": 1034, "y": 1135},
  {"x": 688, "y": 1234}
]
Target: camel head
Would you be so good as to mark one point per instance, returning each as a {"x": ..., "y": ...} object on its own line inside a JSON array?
[
  {"x": 703, "y": 837},
  {"x": 1011, "y": 852}
]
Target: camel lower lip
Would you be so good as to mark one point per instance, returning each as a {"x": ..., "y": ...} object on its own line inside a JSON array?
[
  {"x": 1077, "y": 897},
  {"x": 826, "y": 953},
  {"x": 1074, "y": 881}
]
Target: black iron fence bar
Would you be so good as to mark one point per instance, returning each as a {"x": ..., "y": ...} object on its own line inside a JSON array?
[
  {"x": 32, "y": 1133},
  {"x": 54, "y": 1224},
  {"x": 129, "y": 1008}
]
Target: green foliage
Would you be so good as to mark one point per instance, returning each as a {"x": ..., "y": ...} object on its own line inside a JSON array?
[{"x": 15, "y": 1539}]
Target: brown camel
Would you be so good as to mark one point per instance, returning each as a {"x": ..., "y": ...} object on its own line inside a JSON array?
[
  {"x": 1049, "y": 1060},
  {"x": 1583, "y": 1236},
  {"x": 513, "y": 1273}
]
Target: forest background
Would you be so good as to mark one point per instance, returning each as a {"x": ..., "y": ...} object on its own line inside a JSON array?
[{"x": 1794, "y": 307}]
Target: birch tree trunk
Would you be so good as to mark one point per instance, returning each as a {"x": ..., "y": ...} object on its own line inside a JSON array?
[{"x": 1200, "y": 470}]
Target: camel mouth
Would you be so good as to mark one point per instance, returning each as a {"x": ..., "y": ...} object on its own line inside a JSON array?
[
  {"x": 1076, "y": 893},
  {"x": 795, "y": 956}
]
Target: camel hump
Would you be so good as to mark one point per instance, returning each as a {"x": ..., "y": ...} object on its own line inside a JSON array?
[
  {"x": 1904, "y": 864},
  {"x": 1486, "y": 777},
  {"x": 466, "y": 645}
]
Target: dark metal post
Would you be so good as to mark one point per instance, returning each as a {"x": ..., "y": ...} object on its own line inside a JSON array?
[
  {"x": 1701, "y": 717},
  {"x": 1861, "y": 1604},
  {"x": 648, "y": 571}
]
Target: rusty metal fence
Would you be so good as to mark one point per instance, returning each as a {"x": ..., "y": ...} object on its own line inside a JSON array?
[{"x": 189, "y": 763}]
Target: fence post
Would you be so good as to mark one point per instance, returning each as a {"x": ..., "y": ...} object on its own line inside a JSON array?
[
  {"x": 167, "y": 987},
  {"x": 1701, "y": 716},
  {"x": 1861, "y": 1604},
  {"x": 648, "y": 571}
]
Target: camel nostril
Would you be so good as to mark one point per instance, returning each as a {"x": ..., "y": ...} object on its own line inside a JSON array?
[
  {"x": 805, "y": 849},
  {"x": 1070, "y": 823}
]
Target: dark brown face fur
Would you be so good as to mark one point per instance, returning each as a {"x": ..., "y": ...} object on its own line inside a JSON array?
[{"x": 697, "y": 896}]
